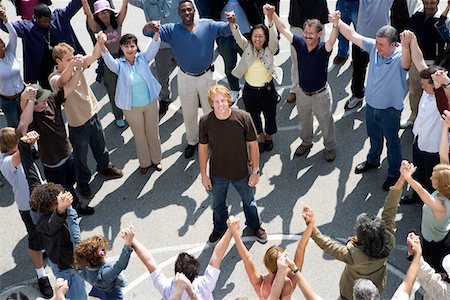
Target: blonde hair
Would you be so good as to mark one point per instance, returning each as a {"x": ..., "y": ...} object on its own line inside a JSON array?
[
  {"x": 61, "y": 49},
  {"x": 441, "y": 174},
  {"x": 219, "y": 89},
  {"x": 8, "y": 139},
  {"x": 271, "y": 256}
]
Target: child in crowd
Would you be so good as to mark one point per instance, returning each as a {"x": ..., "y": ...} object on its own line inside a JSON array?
[
  {"x": 110, "y": 22},
  {"x": 106, "y": 278},
  {"x": 11, "y": 168}
]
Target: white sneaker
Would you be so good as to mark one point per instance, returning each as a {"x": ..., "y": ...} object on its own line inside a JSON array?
[
  {"x": 353, "y": 102},
  {"x": 234, "y": 96},
  {"x": 406, "y": 123}
]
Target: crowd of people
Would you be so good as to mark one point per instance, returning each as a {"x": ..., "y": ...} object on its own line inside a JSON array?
[{"x": 184, "y": 33}]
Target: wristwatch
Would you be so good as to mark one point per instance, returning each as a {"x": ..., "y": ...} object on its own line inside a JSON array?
[{"x": 257, "y": 172}]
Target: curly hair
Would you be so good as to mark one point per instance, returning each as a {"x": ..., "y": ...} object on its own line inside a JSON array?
[
  {"x": 44, "y": 197},
  {"x": 372, "y": 236},
  {"x": 90, "y": 252},
  {"x": 271, "y": 256},
  {"x": 188, "y": 265},
  {"x": 441, "y": 174}
]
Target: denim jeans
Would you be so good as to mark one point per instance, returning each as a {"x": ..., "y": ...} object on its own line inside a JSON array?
[
  {"x": 384, "y": 123},
  {"x": 115, "y": 294},
  {"x": 349, "y": 14},
  {"x": 229, "y": 50},
  {"x": 220, "y": 209},
  {"x": 65, "y": 176},
  {"x": 10, "y": 108},
  {"x": 89, "y": 134},
  {"x": 77, "y": 289}
]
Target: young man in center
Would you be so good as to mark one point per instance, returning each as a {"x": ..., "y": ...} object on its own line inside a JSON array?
[{"x": 230, "y": 135}]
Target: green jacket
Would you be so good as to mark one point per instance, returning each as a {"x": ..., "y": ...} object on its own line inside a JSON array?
[{"x": 358, "y": 264}]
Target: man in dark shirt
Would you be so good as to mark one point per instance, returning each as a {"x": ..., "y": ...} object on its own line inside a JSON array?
[{"x": 219, "y": 129}]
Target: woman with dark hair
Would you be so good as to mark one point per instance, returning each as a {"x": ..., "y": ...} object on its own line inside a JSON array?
[
  {"x": 257, "y": 67},
  {"x": 137, "y": 92},
  {"x": 110, "y": 22},
  {"x": 435, "y": 213},
  {"x": 366, "y": 253}
]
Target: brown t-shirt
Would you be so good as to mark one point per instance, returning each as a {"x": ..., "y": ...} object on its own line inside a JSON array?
[
  {"x": 81, "y": 104},
  {"x": 53, "y": 143},
  {"x": 227, "y": 140}
]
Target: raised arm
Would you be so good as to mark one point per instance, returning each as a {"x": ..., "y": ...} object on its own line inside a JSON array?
[
  {"x": 438, "y": 209},
  {"x": 443, "y": 146},
  {"x": 95, "y": 54},
  {"x": 405, "y": 38},
  {"x": 301, "y": 246},
  {"x": 333, "y": 18},
  {"x": 27, "y": 102},
  {"x": 71, "y": 9},
  {"x": 123, "y": 12},
  {"x": 415, "y": 249},
  {"x": 241, "y": 41},
  {"x": 391, "y": 205},
  {"x": 220, "y": 249},
  {"x": 145, "y": 256},
  {"x": 89, "y": 17},
  {"x": 282, "y": 28},
  {"x": 350, "y": 34},
  {"x": 254, "y": 276},
  {"x": 416, "y": 54}
]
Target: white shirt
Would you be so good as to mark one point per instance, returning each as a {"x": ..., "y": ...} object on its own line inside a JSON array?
[
  {"x": 203, "y": 286},
  {"x": 16, "y": 177},
  {"x": 428, "y": 124}
]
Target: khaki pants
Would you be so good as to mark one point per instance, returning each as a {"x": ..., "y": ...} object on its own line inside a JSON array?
[
  {"x": 320, "y": 106},
  {"x": 193, "y": 89},
  {"x": 144, "y": 121}
]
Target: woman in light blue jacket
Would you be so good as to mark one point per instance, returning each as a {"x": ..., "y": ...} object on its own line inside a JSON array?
[{"x": 137, "y": 93}]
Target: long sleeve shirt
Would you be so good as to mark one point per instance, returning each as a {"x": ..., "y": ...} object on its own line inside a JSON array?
[
  {"x": 435, "y": 288},
  {"x": 11, "y": 82}
]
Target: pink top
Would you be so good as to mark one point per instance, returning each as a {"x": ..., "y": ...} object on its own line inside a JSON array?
[{"x": 27, "y": 8}]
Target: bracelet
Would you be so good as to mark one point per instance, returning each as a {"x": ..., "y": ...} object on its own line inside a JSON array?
[
  {"x": 295, "y": 271},
  {"x": 79, "y": 69},
  {"x": 336, "y": 26},
  {"x": 32, "y": 101},
  {"x": 446, "y": 86}
]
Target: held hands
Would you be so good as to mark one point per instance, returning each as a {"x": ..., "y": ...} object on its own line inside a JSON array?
[
  {"x": 231, "y": 17},
  {"x": 414, "y": 247},
  {"x": 308, "y": 215},
  {"x": 30, "y": 93},
  {"x": 30, "y": 137},
  {"x": 440, "y": 78},
  {"x": 61, "y": 288},
  {"x": 407, "y": 169},
  {"x": 127, "y": 234},
  {"x": 334, "y": 17},
  {"x": 3, "y": 15},
  {"x": 233, "y": 224},
  {"x": 152, "y": 26},
  {"x": 101, "y": 37},
  {"x": 406, "y": 37},
  {"x": 269, "y": 10},
  {"x": 64, "y": 201}
]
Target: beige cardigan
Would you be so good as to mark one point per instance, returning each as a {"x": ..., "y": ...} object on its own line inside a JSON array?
[{"x": 250, "y": 54}]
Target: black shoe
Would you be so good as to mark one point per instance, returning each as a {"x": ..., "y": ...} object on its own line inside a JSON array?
[
  {"x": 214, "y": 237},
  {"x": 261, "y": 147},
  {"x": 407, "y": 200},
  {"x": 364, "y": 166},
  {"x": 84, "y": 189},
  {"x": 45, "y": 288},
  {"x": 190, "y": 151},
  {"x": 268, "y": 145},
  {"x": 84, "y": 210},
  {"x": 390, "y": 181},
  {"x": 259, "y": 233},
  {"x": 163, "y": 107}
]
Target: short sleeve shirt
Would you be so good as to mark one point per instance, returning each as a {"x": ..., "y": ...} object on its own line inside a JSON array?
[
  {"x": 53, "y": 143},
  {"x": 386, "y": 79},
  {"x": 312, "y": 66},
  {"x": 227, "y": 140},
  {"x": 16, "y": 177},
  {"x": 203, "y": 286}
]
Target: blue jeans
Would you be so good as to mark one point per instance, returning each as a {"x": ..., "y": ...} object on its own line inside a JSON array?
[
  {"x": 115, "y": 294},
  {"x": 89, "y": 134},
  {"x": 77, "y": 289},
  {"x": 229, "y": 50},
  {"x": 349, "y": 14},
  {"x": 10, "y": 108},
  {"x": 384, "y": 123},
  {"x": 65, "y": 176},
  {"x": 220, "y": 209}
]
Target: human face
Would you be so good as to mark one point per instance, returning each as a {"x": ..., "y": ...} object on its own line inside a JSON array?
[
  {"x": 221, "y": 106},
  {"x": 258, "y": 38},
  {"x": 105, "y": 16},
  {"x": 311, "y": 36},
  {"x": 64, "y": 61},
  {"x": 40, "y": 106},
  {"x": 186, "y": 12},
  {"x": 427, "y": 86},
  {"x": 2, "y": 49},
  {"x": 383, "y": 46},
  {"x": 129, "y": 51},
  {"x": 43, "y": 22},
  {"x": 430, "y": 7}
]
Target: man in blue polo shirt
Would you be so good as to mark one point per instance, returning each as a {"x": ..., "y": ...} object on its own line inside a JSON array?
[
  {"x": 386, "y": 88},
  {"x": 192, "y": 44},
  {"x": 314, "y": 97}
]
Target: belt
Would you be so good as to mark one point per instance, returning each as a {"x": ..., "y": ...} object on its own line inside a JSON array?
[
  {"x": 316, "y": 92},
  {"x": 211, "y": 67},
  {"x": 11, "y": 97}
]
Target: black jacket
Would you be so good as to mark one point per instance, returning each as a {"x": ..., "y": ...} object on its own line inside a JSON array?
[
  {"x": 251, "y": 11},
  {"x": 301, "y": 10}
]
